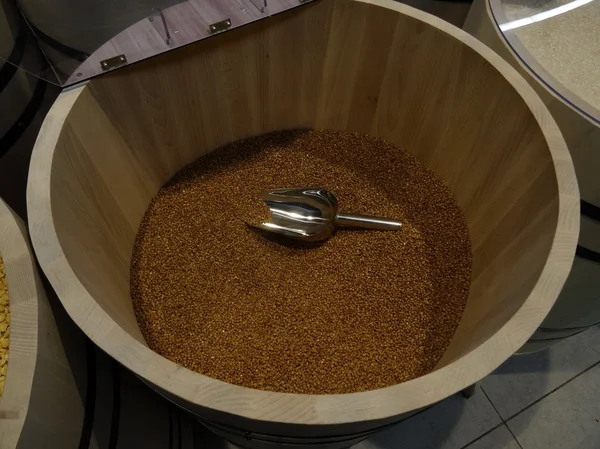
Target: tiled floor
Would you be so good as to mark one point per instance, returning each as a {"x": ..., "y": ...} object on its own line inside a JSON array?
[{"x": 545, "y": 400}]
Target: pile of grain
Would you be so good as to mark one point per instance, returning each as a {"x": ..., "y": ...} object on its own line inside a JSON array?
[
  {"x": 364, "y": 310},
  {"x": 4, "y": 327}
]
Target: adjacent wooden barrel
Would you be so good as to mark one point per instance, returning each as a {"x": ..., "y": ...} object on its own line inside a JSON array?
[
  {"x": 578, "y": 306},
  {"x": 41, "y": 406},
  {"x": 370, "y": 66}
]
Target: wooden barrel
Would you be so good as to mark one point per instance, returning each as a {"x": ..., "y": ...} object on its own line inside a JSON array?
[
  {"x": 370, "y": 66},
  {"x": 41, "y": 406},
  {"x": 578, "y": 306}
]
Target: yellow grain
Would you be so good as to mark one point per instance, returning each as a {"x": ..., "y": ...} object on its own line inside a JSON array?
[{"x": 4, "y": 326}]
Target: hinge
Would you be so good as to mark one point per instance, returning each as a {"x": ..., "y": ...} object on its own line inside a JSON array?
[
  {"x": 219, "y": 27},
  {"x": 113, "y": 63}
]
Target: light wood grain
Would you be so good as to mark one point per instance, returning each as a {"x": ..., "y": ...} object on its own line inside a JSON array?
[
  {"x": 40, "y": 401},
  {"x": 373, "y": 66}
]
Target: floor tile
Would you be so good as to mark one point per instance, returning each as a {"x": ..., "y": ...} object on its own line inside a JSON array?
[
  {"x": 499, "y": 438},
  {"x": 569, "y": 418},
  {"x": 523, "y": 379},
  {"x": 451, "y": 424}
]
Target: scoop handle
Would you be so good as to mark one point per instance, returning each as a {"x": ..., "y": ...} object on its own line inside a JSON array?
[{"x": 364, "y": 221}]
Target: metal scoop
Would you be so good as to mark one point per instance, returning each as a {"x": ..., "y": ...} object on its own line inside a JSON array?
[{"x": 312, "y": 214}]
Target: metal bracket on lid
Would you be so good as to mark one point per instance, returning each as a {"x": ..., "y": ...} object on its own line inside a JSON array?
[
  {"x": 219, "y": 27},
  {"x": 113, "y": 63}
]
